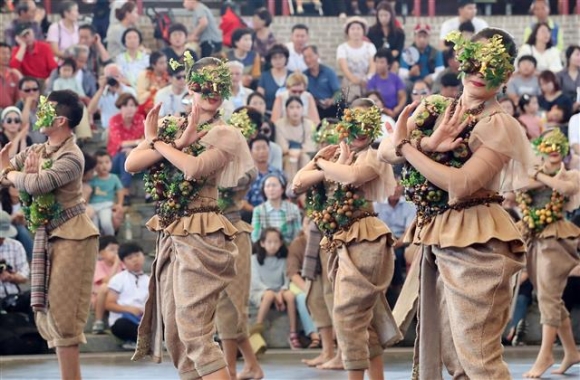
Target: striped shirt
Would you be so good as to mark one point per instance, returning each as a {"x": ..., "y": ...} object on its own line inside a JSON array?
[
  {"x": 287, "y": 219},
  {"x": 14, "y": 254}
]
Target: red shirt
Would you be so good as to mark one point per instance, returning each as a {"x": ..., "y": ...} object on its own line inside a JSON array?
[
  {"x": 8, "y": 88},
  {"x": 38, "y": 62},
  {"x": 118, "y": 133}
]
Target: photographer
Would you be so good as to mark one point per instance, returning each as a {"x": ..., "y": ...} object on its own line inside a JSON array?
[{"x": 14, "y": 268}]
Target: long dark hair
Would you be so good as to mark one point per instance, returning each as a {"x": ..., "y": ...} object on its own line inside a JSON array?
[
  {"x": 5, "y": 200},
  {"x": 532, "y": 38},
  {"x": 261, "y": 251},
  {"x": 384, "y": 6}
]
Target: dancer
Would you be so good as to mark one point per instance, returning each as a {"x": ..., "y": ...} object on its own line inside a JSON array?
[
  {"x": 462, "y": 153},
  {"x": 49, "y": 177},
  {"x": 195, "y": 258},
  {"x": 361, "y": 253},
  {"x": 231, "y": 313},
  {"x": 552, "y": 246}
]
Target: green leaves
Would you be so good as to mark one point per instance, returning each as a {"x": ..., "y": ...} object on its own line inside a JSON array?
[{"x": 45, "y": 114}]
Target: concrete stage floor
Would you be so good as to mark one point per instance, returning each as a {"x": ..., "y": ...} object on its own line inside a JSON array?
[{"x": 277, "y": 365}]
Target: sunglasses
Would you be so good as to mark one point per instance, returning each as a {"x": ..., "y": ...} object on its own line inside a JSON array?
[
  {"x": 10, "y": 120},
  {"x": 27, "y": 90},
  {"x": 180, "y": 77},
  {"x": 422, "y": 92}
]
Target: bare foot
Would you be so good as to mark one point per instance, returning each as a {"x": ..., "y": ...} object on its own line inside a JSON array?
[
  {"x": 334, "y": 364},
  {"x": 567, "y": 362},
  {"x": 320, "y": 359},
  {"x": 540, "y": 366},
  {"x": 251, "y": 374}
]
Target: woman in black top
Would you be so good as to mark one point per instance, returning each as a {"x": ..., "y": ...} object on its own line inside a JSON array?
[{"x": 385, "y": 32}]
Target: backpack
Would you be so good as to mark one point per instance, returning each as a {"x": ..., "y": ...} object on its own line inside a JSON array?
[{"x": 161, "y": 20}]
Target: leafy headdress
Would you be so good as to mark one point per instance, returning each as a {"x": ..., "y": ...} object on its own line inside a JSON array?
[
  {"x": 210, "y": 80},
  {"x": 244, "y": 123},
  {"x": 360, "y": 122},
  {"x": 46, "y": 114},
  {"x": 326, "y": 134},
  {"x": 552, "y": 141}
]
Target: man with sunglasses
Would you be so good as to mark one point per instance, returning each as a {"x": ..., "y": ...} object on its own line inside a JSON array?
[
  {"x": 171, "y": 96},
  {"x": 31, "y": 57},
  {"x": 29, "y": 93}
]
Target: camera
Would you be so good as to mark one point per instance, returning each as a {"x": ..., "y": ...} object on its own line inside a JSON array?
[
  {"x": 5, "y": 267},
  {"x": 112, "y": 82}
]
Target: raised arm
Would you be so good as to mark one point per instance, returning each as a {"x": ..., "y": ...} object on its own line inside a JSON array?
[
  {"x": 565, "y": 186},
  {"x": 310, "y": 175}
]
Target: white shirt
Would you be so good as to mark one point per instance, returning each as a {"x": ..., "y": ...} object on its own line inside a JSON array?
[
  {"x": 132, "y": 67},
  {"x": 171, "y": 102},
  {"x": 132, "y": 289},
  {"x": 453, "y": 24},
  {"x": 235, "y": 102},
  {"x": 358, "y": 59},
  {"x": 574, "y": 129},
  {"x": 107, "y": 104},
  {"x": 295, "y": 61},
  {"x": 548, "y": 60}
]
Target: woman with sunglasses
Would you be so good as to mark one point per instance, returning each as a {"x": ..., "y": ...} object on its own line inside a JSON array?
[{"x": 14, "y": 130}]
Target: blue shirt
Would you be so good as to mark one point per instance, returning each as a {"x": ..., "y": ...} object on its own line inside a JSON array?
[
  {"x": 325, "y": 85},
  {"x": 388, "y": 87},
  {"x": 270, "y": 87},
  {"x": 254, "y": 195},
  {"x": 397, "y": 218},
  {"x": 105, "y": 189},
  {"x": 424, "y": 64}
]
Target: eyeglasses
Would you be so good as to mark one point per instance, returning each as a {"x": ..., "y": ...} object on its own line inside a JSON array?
[
  {"x": 180, "y": 77},
  {"x": 422, "y": 92},
  {"x": 27, "y": 90},
  {"x": 10, "y": 120}
]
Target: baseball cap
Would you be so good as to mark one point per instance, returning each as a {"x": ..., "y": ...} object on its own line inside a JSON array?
[
  {"x": 7, "y": 230},
  {"x": 422, "y": 28},
  {"x": 22, "y": 27}
]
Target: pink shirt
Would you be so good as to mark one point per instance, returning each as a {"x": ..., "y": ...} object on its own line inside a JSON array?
[
  {"x": 102, "y": 271},
  {"x": 58, "y": 33}
]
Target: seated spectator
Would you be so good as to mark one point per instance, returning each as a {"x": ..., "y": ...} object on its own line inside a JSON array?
[
  {"x": 108, "y": 265},
  {"x": 10, "y": 200},
  {"x": 66, "y": 79},
  {"x": 264, "y": 38},
  {"x": 323, "y": 83},
  {"x": 541, "y": 12},
  {"x": 529, "y": 117},
  {"x": 126, "y": 130},
  {"x": 267, "y": 129},
  {"x": 240, "y": 94},
  {"x": 421, "y": 60},
  {"x": 133, "y": 60},
  {"x": 451, "y": 67},
  {"x": 450, "y": 85},
  {"x": 14, "y": 129},
  {"x": 524, "y": 80},
  {"x": 26, "y": 12},
  {"x": 420, "y": 90},
  {"x": 385, "y": 33},
  {"x": 64, "y": 33},
  {"x": 298, "y": 285},
  {"x": 127, "y": 16},
  {"x": 508, "y": 106},
  {"x": 9, "y": 78},
  {"x": 466, "y": 10},
  {"x": 111, "y": 85},
  {"x": 242, "y": 52},
  {"x": 15, "y": 269},
  {"x": 98, "y": 54},
  {"x": 31, "y": 57},
  {"x": 84, "y": 77},
  {"x": 570, "y": 76},
  {"x": 557, "y": 117},
  {"x": 296, "y": 85},
  {"x": 269, "y": 285},
  {"x": 274, "y": 80},
  {"x": 356, "y": 58},
  {"x": 552, "y": 94},
  {"x": 151, "y": 80},
  {"x": 574, "y": 133},
  {"x": 467, "y": 29},
  {"x": 257, "y": 101},
  {"x": 298, "y": 40},
  {"x": 127, "y": 294},
  {"x": 107, "y": 194},
  {"x": 171, "y": 96},
  {"x": 276, "y": 211},
  {"x": 388, "y": 84},
  {"x": 294, "y": 135},
  {"x": 539, "y": 45},
  {"x": 29, "y": 92},
  {"x": 177, "y": 40},
  {"x": 206, "y": 32}
]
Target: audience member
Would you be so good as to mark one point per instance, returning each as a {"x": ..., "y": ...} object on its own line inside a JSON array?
[
  {"x": 107, "y": 194},
  {"x": 133, "y": 60},
  {"x": 98, "y": 53},
  {"x": 451, "y": 66},
  {"x": 84, "y": 77},
  {"x": 171, "y": 96},
  {"x": 26, "y": 14},
  {"x": 206, "y": 32},
  {"x": 31, "y": 57},
  {"x": 552, "y": 93},
  {"x": 539, "y": 45},
  {"x": 450, "y": 85},
  {"x": 64, "y": 33},
  {"x": 240, "y": 93},
  {"x": 108, "y": 265},
  {"x": 466, "y": 10},
  {"x": 264, "y": 38},
  {"x": 296, "y": 85},
  {"x": 541, "y": 12},
  {"x": 570, "y": 76},
  {"x": 177, "y": 44},
  {"x": 127, "y": 16},
  {"x": 66, "y": 79},
  {"x": 274, "y": 80},
  {"x": 151, "y": 80},
  {"x": 9, "y": 78},
  {"x": 356, "y": 58},
  {"x": 29, "y": 93},
  {"x": 385, "y": 33},
  {"x": 242, "y": 52},
  {"x": 13, "y": 263},
  {"x": 524, "y": 80},
  {"x": 388, "y": 84},
  {"x": 298, "y": 40},
  {"x": 323, "y": 83},
  {"x": 529, "y": 117},
  {"x": 128, "y": 291},
  {"x": 10, "y": 201},
  {"x": 15, "y": 130},
  {"x": 421, "y": 60}
]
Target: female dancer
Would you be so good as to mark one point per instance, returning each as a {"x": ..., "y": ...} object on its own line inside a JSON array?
[
  {"x": 231, "y": 313},
  {"x": 195, "y": 255},
  {"x": 552, "y": 246},
  {"x": 360, "y": 244},
  {"x": 462, "y": 154}
]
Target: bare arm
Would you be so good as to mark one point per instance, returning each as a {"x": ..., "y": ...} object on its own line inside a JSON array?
[
  {"x": 277, "y": 109},
  {"x": 565, "y": 187},
  {"x": 201, "y": 25},
  {"x": 94, "y": 103},
  {"x": 312, "y": 110},
  {"x": 142, "y": 158},
  {"x": 112, "y": 305},
  {"x": 198, "y": 167},
  {"x": 355, "y": 175}
]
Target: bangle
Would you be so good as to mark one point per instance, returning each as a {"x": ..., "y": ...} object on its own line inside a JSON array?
[
  {"x": 5, "y": 172},
  {"x": 418, "y": 143},
  {"x": 315, "y": 161},
  {"x": 535, "y": 177},
  {"x": 152, "y": 143},
  {"x": 400, "y": 146}
]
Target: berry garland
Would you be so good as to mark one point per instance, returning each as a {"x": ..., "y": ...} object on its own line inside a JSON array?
[
  {"x": 39, "y": 209},
  {"x": 46, "y": 114},
  {"x": 537, "y": 218},
  {"x": 359, "y": 123}
]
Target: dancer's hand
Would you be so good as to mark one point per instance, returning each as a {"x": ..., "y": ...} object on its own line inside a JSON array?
[
  {"x": 327, "y": 152},
  {"x": 191, "y": 134},
  {"x": 151, "y": 123},
  {"x": 401, "y": 131},
  {"x": 346, "y": 156},
  {"x": 5, "y": 156},
  {"x": 444, "y": 137}
]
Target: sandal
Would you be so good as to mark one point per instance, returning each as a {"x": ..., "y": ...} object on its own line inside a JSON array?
[
  {"x": 315, "y": 343},
  {"x": 294, "y": 341}
]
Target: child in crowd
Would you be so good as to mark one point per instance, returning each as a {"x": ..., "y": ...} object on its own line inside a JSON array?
[
  {"x": 66, "y": 78},
  {"x": 388, "y": 84},
  {"x": 104, "y": 188},
  {"x": 270, "y": 284},
  {"x": 276, "y": 211},
  {"x": 529, "y": 107},
  {"x": 108, "y": 265},
  {"x": 127, "y": 294}
]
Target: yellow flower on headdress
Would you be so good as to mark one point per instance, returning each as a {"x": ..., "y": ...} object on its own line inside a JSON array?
[{"x": 552, "y": 141}]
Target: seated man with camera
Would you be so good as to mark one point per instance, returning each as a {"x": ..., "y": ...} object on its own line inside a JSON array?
[{"x": 14, "y": 269}]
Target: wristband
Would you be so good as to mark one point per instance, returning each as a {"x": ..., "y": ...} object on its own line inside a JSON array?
[{"x": 400, "y": 146}]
